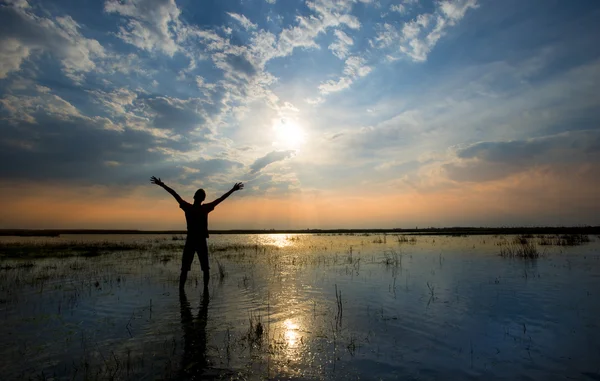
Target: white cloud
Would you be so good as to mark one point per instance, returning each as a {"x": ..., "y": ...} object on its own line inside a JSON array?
[
  {"x": 152, "y": 24},
  {"x": 29, "y": 34},
  {"x": 115, "y": 101},
  {"x": 354, "y": 67},
  {"x": 17, "y": 3},
  {"x": 243, "y": 20},
  {"x": 400, "y": 8},
  {"x": 314, "y": 101},
  {"x": 24, "y": 108},
  {"x": 419, "y": 36},
  {"x": 332, "y": 86},
  {"x": 328, "y": 14},
  {"x": 12, "y": 54},
  {"x": 340, "y": 48}
]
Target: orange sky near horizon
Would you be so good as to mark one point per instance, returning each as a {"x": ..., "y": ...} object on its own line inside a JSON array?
[{"x": 532, "y": 198}]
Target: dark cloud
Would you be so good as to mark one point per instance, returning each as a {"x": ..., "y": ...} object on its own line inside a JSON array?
[
  {"x": 175, "y": 114},
  {"x": 46, "y": 138},
  {"x": 240, "y": 64},
  {"x": 270, "y": 158},
  {"x": 207, "y": 169},
  {"x": 485, "y": 161},
  {"x": 512, "y": 151}
]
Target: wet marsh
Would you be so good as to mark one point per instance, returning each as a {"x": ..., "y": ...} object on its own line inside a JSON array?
[{"x": 305, "y": 306}]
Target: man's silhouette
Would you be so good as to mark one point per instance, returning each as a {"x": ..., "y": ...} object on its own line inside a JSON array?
[{"x": 196, "y": 216}]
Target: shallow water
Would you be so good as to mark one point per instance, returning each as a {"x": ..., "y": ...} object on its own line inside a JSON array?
[{"x": 326, "y": 307}]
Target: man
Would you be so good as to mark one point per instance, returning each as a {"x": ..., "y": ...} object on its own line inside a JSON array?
[{"x": 196, "y": 216}]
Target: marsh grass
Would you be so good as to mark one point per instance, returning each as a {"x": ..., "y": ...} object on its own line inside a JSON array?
[
  {"x": 526, "y": 250},
  {"x": 405, "y": 239},
  {"x": 563, "y": 239},
  {"x": 222, "y": 272},
  {"x": 255, "y": 330},
  {"x": 392, "y": 258},
  {"x": 66, "y": 249},
  {"x": 24, "y": 265}
]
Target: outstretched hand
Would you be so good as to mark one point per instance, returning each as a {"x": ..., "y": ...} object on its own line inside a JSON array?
[
  {"x": 238, "y": 186},
  {"x": 156, "y": 181}
]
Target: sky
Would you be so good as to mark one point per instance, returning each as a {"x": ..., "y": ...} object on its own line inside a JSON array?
[{"x": 334, "y": 113}]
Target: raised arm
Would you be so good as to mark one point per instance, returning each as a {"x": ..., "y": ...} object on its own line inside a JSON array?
[
  {"x": 236, "y": 187},
  {"x": 158, "y": 182}
]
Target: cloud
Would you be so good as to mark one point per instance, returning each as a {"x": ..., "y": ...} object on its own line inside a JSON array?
[
  {"x": 243, "y": 20},
  {"x": 152, "y": 25},
  {"x": 24, "y": 108},
  {"x": 46, "y": 138},
  {"x": 270, "y": 158},
  {"x": 314, "y": 101},
  {"x": 486, "y": 161},
  {"x": 327, "y": 14},
  {"x": 341, "y": 47},
  {"x": 400, "y": 8},
  {"x": 17, "y": 3},
  {"x": 161, "y": 116},
  {"x": 354, "y": 68},
  {"x": 24, "y": 34},
  {"x": 419, "y": 36},
  {"x": 208, "y": 171},
  {"x": 116, "y": 101}
]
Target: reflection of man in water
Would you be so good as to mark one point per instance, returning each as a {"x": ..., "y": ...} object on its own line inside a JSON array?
[
  {"x": 194, "y": 362},
  {"x": 196, "y": 216}
]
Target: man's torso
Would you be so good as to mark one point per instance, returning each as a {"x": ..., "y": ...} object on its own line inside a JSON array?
[{"x": 196, "y": 217}]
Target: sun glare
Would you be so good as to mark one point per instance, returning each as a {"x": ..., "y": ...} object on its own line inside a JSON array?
[
  {"x": 291, "y": 333},
  {"x": 288, "y": 133}
]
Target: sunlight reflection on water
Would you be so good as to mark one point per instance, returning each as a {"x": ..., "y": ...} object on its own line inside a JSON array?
[{"x": 279, "y": 240}]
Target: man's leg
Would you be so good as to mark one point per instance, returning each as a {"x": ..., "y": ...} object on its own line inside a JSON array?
[
  {"x": 186, "y": 262},
  {"x": 202, "y": 249},
  {"x": 182, "y": 279}
]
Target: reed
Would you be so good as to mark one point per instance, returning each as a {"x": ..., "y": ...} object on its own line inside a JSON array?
[{"x": 526, "y": 250}]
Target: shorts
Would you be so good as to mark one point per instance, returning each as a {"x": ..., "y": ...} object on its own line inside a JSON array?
[{"x": 195, "y": 245}]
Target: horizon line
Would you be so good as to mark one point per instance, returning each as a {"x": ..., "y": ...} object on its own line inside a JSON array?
[{"x": 589, "y": 229}]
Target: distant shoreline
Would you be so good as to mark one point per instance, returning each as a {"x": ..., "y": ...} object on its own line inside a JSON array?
[{"x": 455, "y": 231}]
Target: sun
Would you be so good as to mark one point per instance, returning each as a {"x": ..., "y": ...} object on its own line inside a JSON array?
[{"x": 288, "y": 133}]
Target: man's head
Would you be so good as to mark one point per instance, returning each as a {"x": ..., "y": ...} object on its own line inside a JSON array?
[{"x": 200, "y": 195}]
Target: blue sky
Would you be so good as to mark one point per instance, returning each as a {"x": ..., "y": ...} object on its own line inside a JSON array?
[{"x": 348, "y": 113}]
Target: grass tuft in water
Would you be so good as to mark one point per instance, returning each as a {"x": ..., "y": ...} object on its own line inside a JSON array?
[
  {"x": 405, "y": 239},
  {"x": 255, "y": 330},
  {"x": 563, "y": 239},
  {"x": 527, "y": 250}
]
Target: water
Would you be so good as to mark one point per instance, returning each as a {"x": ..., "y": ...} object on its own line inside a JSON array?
[{"x": 303, "y": 307}]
